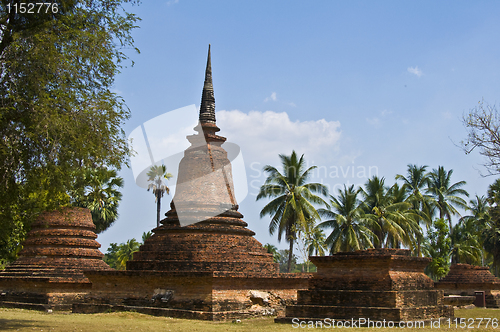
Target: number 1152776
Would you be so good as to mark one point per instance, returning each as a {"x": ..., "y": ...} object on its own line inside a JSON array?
[{"x": 33, "y": 8}]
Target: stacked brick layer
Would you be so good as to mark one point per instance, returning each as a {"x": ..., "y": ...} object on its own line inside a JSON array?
[
  {"x": 377, "y": 284},
  {"x": 465, "y": 280},
  {"x": 221, "y": 241},
  {"x": 59, "y": 247}
]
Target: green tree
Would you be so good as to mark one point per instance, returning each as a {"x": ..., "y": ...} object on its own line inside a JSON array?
[
  {"x": 156, "y": 174},
  {"x": 446, "y": 195},
  {"x": 437, "y": 246},
  {"x": 293, "y": 199},
  {"x": 273, "y": 250},
  {"x": 58, "y": 114},
  {"x": 491, "y": 231},
  {"x": 100, "y": 195},
  {"x": 351, "y": 227},
  {"x": 126, "y": 253},
  {"x": 287, "y": 262},
  {"x": 146, "y": 235},
  {"x": 415, "y": 183},
  {"x": 395, "y": 221},
  {"x": 111, "y": 255},
  {"x": 316, "y": 242}
]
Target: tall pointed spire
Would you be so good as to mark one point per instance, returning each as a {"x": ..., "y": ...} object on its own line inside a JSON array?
[{"x": 207, "y": 107}]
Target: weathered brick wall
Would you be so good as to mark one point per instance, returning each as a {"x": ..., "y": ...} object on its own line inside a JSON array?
[{"x": 376, "y": 284}]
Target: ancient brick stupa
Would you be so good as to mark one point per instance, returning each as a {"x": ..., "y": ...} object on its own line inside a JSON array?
[
  {"x": 375, "y": 284},
  {"x": 48, "y": 273},
  {"x": 465, "y": 280},
  {"x": 203, "y": 230},
  {"x": 203, "y": 261}
]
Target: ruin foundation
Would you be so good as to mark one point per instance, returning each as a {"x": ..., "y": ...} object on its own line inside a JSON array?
[
  {"x": 49, "y": 271},
  {"x": 375, "y": 284},
  {"x": 465, "y": 280}
]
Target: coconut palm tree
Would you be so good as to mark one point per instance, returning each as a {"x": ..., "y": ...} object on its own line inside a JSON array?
[
  {"x": 388, "y": 208},
  {"x": 293, "y": 199},
  {"x": 126, "y": 252},
  {"x": 415, "y": 183},
  {"x": 316, "y": 242},
  {"x": 446, "y": 195},
  {"x": 156, "y": 174},
  {"x": 351, "y": 227},
  {"x": 465, "y": 243}
]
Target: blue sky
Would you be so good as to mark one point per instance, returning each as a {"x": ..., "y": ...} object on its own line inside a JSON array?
[{"x": 349, "y": 84}]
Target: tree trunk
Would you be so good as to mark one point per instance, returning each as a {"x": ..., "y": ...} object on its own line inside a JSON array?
[
  {"x": 290, "y": 255},
  {"x": 158, "y": 208}
]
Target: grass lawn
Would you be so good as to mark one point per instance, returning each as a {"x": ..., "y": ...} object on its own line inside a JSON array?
[{"x": 27, "y": 320}]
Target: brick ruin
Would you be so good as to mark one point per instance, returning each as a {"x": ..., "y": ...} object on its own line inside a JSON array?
[
  {"x": 49, "y": 271},
  {"x": 465, "y": 280},
  {"x": 202, "y": 262},
  {"x": 376, "y": 284}
]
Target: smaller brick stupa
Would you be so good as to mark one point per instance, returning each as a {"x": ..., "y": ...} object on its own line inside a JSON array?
[
  {"x": 374, "y": 284},
  {"x": 465, "y": 280},
  {"x": 48, "y": 273}
]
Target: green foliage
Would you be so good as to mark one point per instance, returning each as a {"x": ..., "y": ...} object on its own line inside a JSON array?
[
  {"x": 156, "y": 174},
  {"x": 273, "y": 250},
  {"x": 395, "y": 219},
  {"x": 58, "y": 114},
  {"x": 97, "y": 190},
  {"x": 438, "y": 246},
  {"x": 446, "y": 195},
  {"x": 291, "y": 207},
  {"x": 285, "y": 265},
  {"x": 352, "y": 229},
  {"x": 146, "y": 235},
  {"x": 117, "y": 255}
]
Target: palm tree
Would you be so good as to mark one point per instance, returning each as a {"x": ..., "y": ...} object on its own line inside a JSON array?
[
  {"x": 446, "y": 195},
  {"x": 292, "y": 198},
  {"x": 491, "y": 232},
  {"x": 386, "y": 207},
  {"x": 316, "y": 242},
  {"x": 100, "y": 195},
  {"x": 415, "y": 183},
  {"x": 272, "y": 249},
  {"x": 465, "y": 246},
  {"x": 156, "y": 174},
  {"x": 126, "y": 252},
  {"x": 351, "y": 228}
]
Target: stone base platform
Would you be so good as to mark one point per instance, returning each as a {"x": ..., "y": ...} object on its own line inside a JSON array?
[
  {"x": 466, "y": 279},
  {"x": 48, "y": 273},
  {"x": 374, "y": 284},
  {"x": 195, "y": 295}
]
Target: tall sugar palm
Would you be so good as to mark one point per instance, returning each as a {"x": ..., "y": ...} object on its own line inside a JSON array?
[
  {"x": 415, "y": 183},
  {"x": 99, "y": 193},
  {"x": 446, "y": 195},
  {"x": 351, "y": 228},
  {"x": 293, "y": 199},
  {"x": 156, "y": 174}
]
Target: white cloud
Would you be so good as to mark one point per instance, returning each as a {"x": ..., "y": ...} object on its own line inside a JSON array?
[
  {"x": 271, "y": 97},
  {"x": 374, "y": 122},
  {"x": 415, "y": 70},
  {"x": 172, "y": 2},
  {"x": 385, "y": 112},
  {"x": 262, "y": 136}
]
